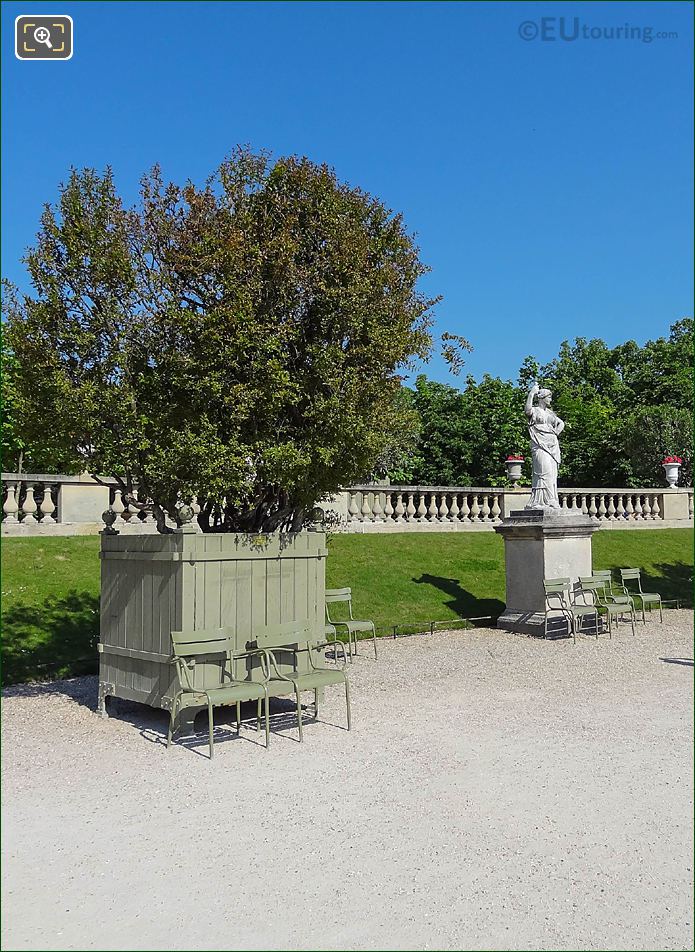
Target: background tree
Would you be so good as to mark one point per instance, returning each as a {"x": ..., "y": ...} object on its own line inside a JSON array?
[
  {"x": 465, "y": 435},
  {"x": 624, "y": 408},
  {"x": 241, "y": 341}
]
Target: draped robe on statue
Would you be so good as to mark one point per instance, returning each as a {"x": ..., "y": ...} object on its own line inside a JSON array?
[{"x": 545, "y": 448}]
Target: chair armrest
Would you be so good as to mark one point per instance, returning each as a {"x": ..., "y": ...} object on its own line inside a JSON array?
[
  {"x": 272, "y": 663},
  {"x": 329, "y": 644}
]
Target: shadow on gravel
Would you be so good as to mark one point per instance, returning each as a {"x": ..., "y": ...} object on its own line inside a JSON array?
[
  {"x": 80, "y": 690},
  {"x": 686, "y": 661}
]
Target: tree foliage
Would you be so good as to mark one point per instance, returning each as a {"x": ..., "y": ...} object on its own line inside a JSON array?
[
  {"x": 240, "y": 342},
  {"x": 624, "y": 408}
]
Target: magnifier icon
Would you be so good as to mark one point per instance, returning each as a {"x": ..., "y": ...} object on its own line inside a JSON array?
[{"x": 43, "y": 35}]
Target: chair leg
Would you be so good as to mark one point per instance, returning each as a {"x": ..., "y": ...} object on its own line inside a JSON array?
[
  {"x": 267, "y": 722},
  {"x": 632, "y": 622},
  {"x": 210, "y": 728},
  {"x": 172, "y": 718},
  {"x": 376, "y": 656},
  {"x": 316, "y": 703},
  {"x": 258, "y": 715},
  {"x": 238, "y": 717},
  {"x": 661, "y": 613},
  {"x": 347, "y": 701},
  {"x": 299, "y": 714}
]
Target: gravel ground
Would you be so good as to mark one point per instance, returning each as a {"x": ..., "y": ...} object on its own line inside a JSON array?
[{"x": 496, "y": 792}]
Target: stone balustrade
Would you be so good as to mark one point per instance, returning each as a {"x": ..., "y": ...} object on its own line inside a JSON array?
[
  {"x": 372, "y": 508},
  {"x": 42, "y": 504},
  {"x": 46, "y": 504}
]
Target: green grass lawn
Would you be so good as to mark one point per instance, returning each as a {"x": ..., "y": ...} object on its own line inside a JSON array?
[{"x": 50, "y": 587}]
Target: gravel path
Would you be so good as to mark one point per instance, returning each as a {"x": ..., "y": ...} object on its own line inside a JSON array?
[{"x": 496, "y": 792}]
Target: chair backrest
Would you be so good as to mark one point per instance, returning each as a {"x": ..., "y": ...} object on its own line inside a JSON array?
[
  {"x": 603, "y": 573},
  {"x": 286, "y": 633},
  {"x": 591, "y": 583},
  {"x": 554, "y": 586},
  {"x": 338, "y": 594},
  {"x": 213, "y": 646},
  {"x": 209, "y": 641},
  {"x": 630, "y": 574}
]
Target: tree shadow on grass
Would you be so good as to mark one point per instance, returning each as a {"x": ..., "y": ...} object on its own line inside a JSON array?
[
  {"x": 462, "y": 602},
  {"x": 57, "y": 639},
  {"x": 675, "y": 580}
]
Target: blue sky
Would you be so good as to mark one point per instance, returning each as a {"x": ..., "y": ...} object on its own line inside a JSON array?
[{"x": 549, "y": 181}]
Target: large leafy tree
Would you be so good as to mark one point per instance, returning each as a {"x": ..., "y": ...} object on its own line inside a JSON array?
[{"x": 239, "y": 342}]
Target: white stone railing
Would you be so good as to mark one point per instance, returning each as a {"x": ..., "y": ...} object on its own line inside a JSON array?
[
  {"x": 44, "y": 504},
  {"x": 374, "y": 508}
]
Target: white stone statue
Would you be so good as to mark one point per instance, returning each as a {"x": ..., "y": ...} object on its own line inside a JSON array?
[{"x": 544, "y": 428}]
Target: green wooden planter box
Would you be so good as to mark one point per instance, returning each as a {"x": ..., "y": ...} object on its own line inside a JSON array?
[{"x": 151, "y": 585}]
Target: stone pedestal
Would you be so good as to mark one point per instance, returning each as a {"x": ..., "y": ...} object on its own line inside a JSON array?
[{"x": 541, "y": 544}]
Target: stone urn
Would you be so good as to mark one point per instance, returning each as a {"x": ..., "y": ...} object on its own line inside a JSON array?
[
  {"x": 672, "y": 465},
  {"x": 514, "y": 464}
]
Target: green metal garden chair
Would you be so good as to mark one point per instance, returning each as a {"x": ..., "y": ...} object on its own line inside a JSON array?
[
  {"x": 557, "y": 598},
  {"x": 352, "y": 625},
  {"x": 205, "y": 663},
  {"x": 647, "y": 598},
  {"x": 308, "y": 673},
  {"x": 590, "y": 586},
  {"x": 611, "y": 592}
]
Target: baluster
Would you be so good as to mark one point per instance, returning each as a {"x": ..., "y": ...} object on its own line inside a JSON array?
[
  {"x": 388, "y": 508},
  {"x": 602, "y": 507},
  {"x": 495, "y": 511},
  {"x": 118, "y": 507},
  {"x": 629, "y": 508},
  {"x": 366, "y": 508},
  {"x": 443, "y": 509},
  {"x": 432, "y": 508},
  {"x": 485, "y": 509},
  {"x": 422, "y": 508},
  {"x": 593, "y": 511},
  {"x": 656, "y": 511},
  {"x": 400, "y": 508},
  {"x": 410, "y": 508},
  {"x": 563, "y": 501},
  {"x": 353, "y": 511},
  {"x": 29, "y": 508},
  {"x": 377, "y": 509},
  {"x": 610, "y": 513},
  {"x": 465, "y": 508},
  {"x": 583, "y": 504},
  {"x": 47, "y": 506},
  {"x": 690, "y": 505},
  {"x": 10, "y": 507},
  {"x": 475, "y": 508},
  {"x": 646, "y": 507},
  {"x": 454, "y": 508}
]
